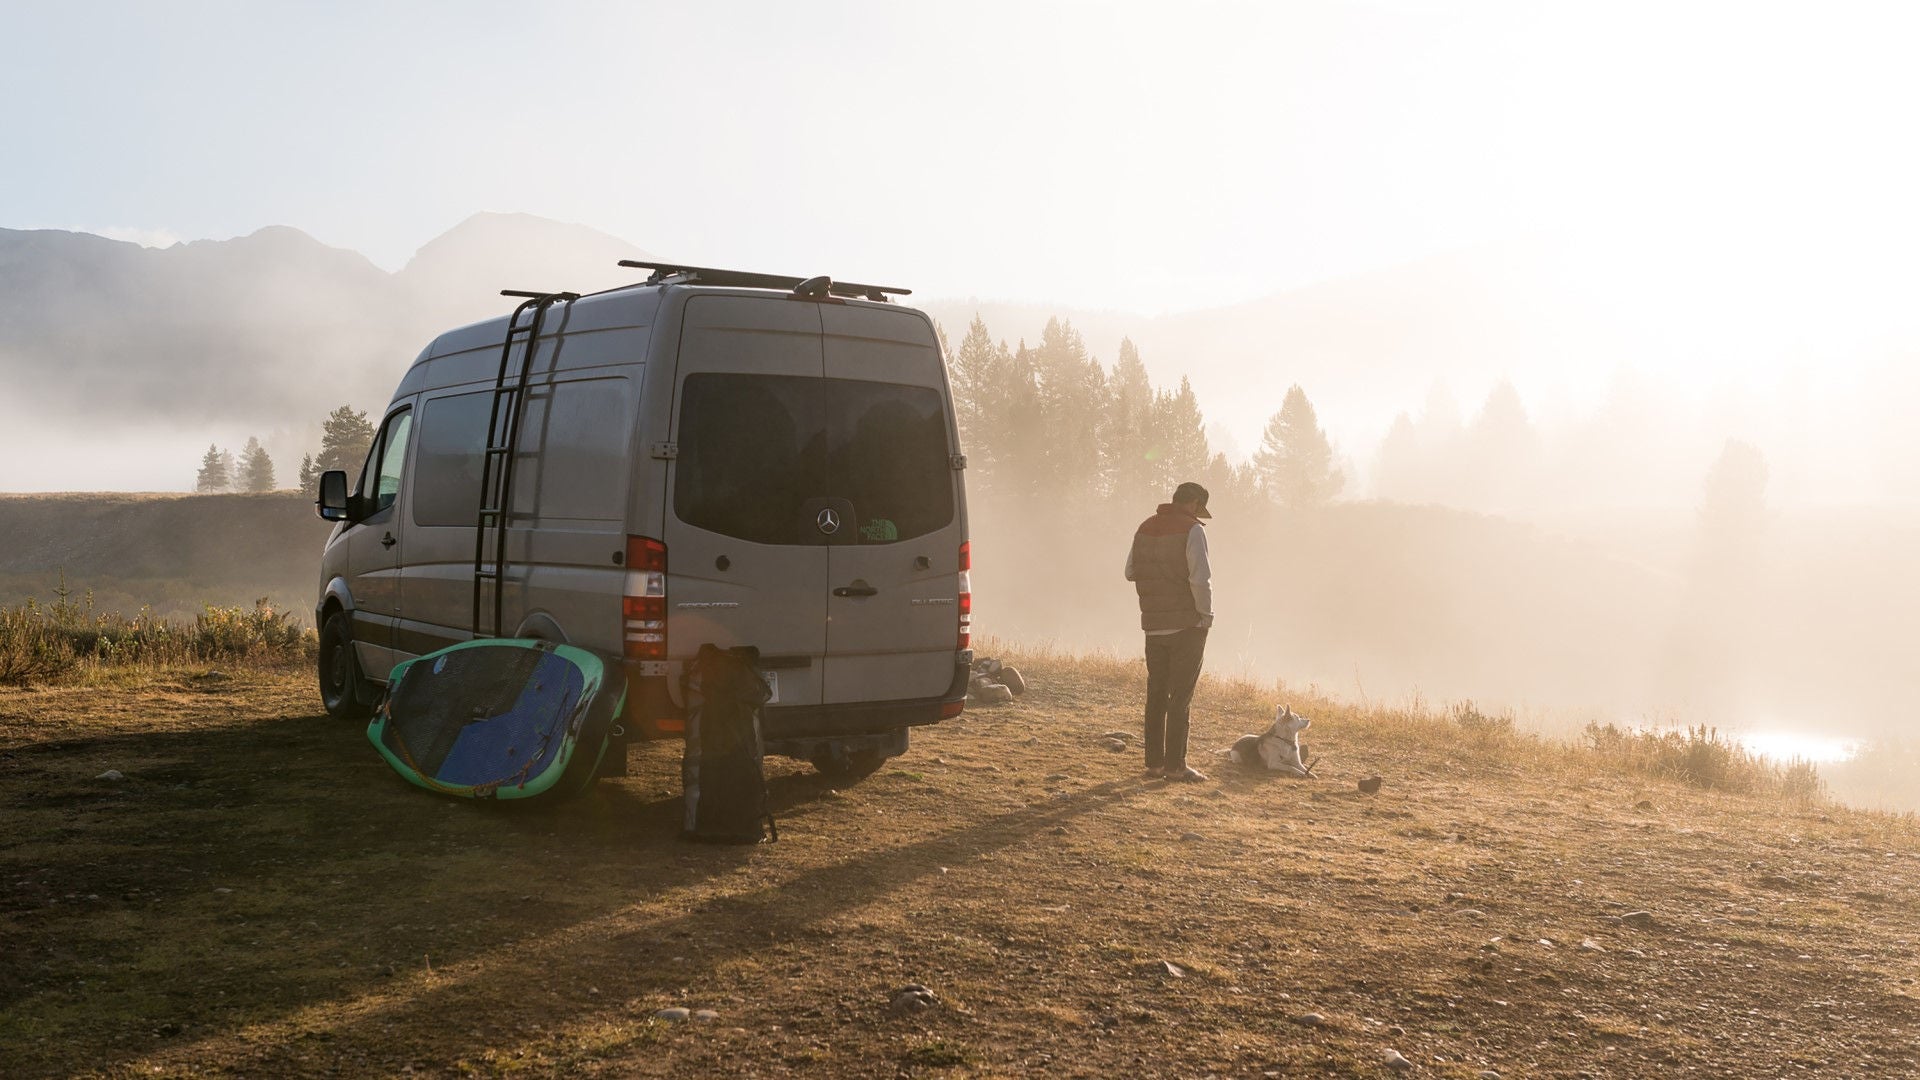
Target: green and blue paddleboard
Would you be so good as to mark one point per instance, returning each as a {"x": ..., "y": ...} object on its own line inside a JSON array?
[{"x": 500, "y": 718}]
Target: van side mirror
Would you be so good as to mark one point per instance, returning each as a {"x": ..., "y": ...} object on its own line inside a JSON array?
[{"x": 333, "y": 495}]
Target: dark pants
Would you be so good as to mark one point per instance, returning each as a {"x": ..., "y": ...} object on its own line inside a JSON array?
[{"x": 1173, "y": 667}]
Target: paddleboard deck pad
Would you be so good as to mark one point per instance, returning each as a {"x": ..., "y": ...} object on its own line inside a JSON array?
[{"x": 500, "y": 718}]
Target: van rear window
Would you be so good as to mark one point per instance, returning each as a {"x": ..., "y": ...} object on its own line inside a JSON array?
[{"x": 759, "y": 454}]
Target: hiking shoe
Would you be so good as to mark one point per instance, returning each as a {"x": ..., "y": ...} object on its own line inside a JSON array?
[
  {"x": 1186, "y": 775},
  {"x": 1154, "y": 772}
]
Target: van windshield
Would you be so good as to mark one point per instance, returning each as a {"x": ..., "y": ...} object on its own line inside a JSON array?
[{"x": 760, "y": 455}]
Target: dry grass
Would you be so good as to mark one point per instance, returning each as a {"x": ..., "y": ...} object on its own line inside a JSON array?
[
  {"x": 69, "y": 638},
  {"x": 1701, "y": 756},
  {"x": 262, "y": 897}
]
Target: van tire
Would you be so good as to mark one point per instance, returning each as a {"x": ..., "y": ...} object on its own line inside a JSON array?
[
  {"x": 855, "y": 765},
  {"x": 342, "y": 688}
]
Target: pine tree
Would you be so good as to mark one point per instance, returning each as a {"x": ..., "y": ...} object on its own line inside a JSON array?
[
  {"x": 976, "y": 398},
  {"x": 229, "y": 469},
  {"x": 1128, "y": 447},
  {"x": 1072, "y": 388},
  {"x": 215, "y": 471},
  {"x": 309, "y": 475},
  {"x": 256, "y": 468},
  {"x": 1399, "y": 468},
  {"x": 1234, "y": 486},
  {"x": 1295, "y": 461},
  {"x": 1733, "y": 501},
  {"x": 345, "y": 438},
  {"x": 1500, "y": 453},
  {"x": 1180, "y": 435},
  {"x": 1018, "y": 447}
]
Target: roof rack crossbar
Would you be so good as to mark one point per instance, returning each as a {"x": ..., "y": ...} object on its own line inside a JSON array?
[{"x": 747, "y": 279}]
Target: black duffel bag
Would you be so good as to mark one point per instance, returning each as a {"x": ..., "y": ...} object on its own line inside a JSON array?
[{"x": 723, "y": 772}]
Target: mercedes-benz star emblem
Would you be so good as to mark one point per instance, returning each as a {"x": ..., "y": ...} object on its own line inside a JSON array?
[{"x": 828, "y": 521}]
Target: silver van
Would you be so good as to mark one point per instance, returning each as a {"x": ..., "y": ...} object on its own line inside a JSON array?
[{"x": 708, "y": 456}]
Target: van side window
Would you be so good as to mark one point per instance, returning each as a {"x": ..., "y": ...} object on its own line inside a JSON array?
[
  {"x": 578, "y": 433},
  {"x": 447, "y": 467},
  {"x": 393, "y": 457},
  {"x": 755, "y": 449},
  {"x": 572, "y": 462}
]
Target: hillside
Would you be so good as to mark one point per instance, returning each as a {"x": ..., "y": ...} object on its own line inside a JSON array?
[
  {"x": 173, "y": 553},
  {"x": 261, "y": 896}
]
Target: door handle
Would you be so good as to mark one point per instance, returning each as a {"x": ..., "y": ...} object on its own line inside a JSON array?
[
  {"x": 388, "y": 541},
  {"x": 856, "y": 590}
]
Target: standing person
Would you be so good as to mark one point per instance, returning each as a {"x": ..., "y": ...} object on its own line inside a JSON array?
[{"x": 1168, "y": 568}]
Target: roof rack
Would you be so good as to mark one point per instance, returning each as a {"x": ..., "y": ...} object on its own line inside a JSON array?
[{"x": 665, "y": 273}]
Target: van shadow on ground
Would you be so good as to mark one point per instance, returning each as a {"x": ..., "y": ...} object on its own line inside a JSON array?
[{"x": 276, "y": 877}]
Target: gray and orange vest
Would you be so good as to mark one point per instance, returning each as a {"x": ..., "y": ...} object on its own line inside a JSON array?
[{"x": 1160, "y": 571}]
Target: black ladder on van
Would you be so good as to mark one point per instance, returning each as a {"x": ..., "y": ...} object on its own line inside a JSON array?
[{"x": 496, "y": 460}]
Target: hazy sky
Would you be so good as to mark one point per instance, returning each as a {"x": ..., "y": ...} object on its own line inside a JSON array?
[
  {"x": 1729, "y": 185},
  {"x": 1149, "y": 157}
]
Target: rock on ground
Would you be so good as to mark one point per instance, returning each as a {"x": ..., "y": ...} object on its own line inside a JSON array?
[{"x": 912, "y": 997}]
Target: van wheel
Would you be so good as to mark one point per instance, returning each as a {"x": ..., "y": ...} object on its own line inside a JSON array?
[
  {"x": 856, "y": 765},
  {"x": 340, "y": 682}
]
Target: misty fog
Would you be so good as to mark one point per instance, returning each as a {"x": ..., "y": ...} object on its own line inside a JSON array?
[
  {"x": 1538, "y": 508},
  {"x": 1640, "y": 560}
]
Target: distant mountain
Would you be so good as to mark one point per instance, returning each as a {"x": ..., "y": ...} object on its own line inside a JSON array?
[
  {"x": 270, "y": 329},
  {"x": 100, "y": 329},
  {"x": 458, "y": 275}
]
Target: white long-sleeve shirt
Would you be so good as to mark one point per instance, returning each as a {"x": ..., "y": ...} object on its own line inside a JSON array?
[{"x": 1199, "y": 576}]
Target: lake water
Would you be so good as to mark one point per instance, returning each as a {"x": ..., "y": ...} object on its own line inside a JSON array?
[{"x": 1786, "y": 746}]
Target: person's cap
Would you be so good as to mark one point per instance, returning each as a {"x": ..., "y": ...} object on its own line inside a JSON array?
[{"x": 1193, "y": 493}]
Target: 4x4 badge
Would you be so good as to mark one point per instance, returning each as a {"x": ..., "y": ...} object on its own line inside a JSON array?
[{"x": 828, "y": 521}]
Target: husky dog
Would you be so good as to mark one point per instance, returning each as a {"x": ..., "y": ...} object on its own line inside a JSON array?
[{"x": 1278, "y": 748}]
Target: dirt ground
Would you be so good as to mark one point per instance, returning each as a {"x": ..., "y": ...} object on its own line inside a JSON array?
[{"x": 261, "y": 896}]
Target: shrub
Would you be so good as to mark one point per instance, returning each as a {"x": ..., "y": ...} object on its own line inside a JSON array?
[
  {"x": 1701, "y": 756},
  {"x": 31, "y": 650},
  {"x": 1472, "y": 720},
  {"x": 39, "y": 644}
]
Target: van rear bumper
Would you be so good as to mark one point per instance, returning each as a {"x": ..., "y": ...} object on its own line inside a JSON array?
[
  {"x": 871, "y": 717},
  {"x": 814, "y": 721}
]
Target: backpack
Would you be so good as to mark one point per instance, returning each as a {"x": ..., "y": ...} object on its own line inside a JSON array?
[{"x": 723, "y": 771}]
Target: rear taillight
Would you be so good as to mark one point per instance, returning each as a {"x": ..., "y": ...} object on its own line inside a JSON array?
[
  {"x": 966, "y": 595},
  {"x": 645, "y": 605}
]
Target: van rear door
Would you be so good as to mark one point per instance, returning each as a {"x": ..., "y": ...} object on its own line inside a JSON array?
[
  {"x": 746, "y": 564},
  {"x": 892, "y": 603}
]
